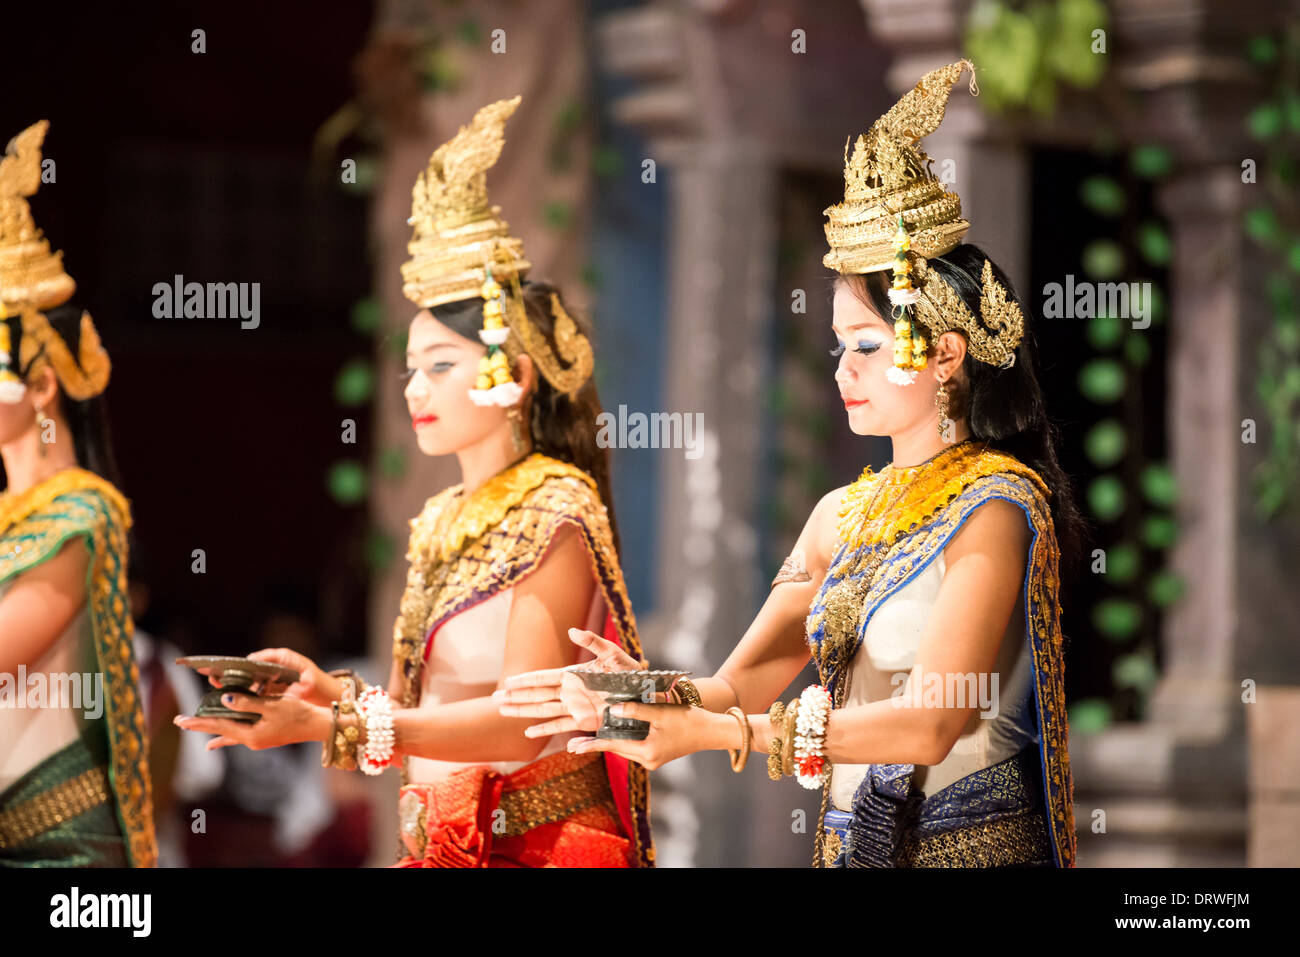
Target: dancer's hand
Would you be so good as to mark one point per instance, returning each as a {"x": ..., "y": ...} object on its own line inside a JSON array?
[
  {"x": 558, "y": 694},
  {"x": 285, "y": 720},
  {"x": 675, "y": 731},
  {"x": 313, "y": 685}
]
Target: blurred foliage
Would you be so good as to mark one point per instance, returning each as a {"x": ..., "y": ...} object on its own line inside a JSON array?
[
  {"x": 1025, "y": 49},
  {"x": 1273, "y": 223}
]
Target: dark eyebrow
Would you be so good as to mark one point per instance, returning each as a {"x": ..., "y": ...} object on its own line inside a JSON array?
[{"x": 432, "y": 346}]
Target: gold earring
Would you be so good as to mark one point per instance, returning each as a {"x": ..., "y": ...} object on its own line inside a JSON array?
[
  {"x": 40, "y": 426},
  {"x": 941, "y": 403}
]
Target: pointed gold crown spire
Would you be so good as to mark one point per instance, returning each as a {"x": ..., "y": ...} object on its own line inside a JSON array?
[
  {"x": 456, "y": 230},
  {"x": 889, "y": 176},
  {"x": 31, "y": 275},
  {"x": 32, "y": 279}
]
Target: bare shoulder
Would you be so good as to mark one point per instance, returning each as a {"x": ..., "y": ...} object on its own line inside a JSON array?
[
  {"x": 823, "y": 524},
  {"x": 995, "y": 528}
]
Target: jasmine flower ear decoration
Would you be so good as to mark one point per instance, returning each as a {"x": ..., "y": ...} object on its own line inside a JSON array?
[
  {"x": 494, "y": 385},
  {"x": 12, "y": 388}
]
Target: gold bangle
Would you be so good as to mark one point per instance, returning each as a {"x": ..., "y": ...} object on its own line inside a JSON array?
[
  {"x": 775, "y": 714},
  {"x": 327, "y": 750},
  {"x": 738, "y": 758},
  {"x": 787, "y": 750},
  {"x": 774, "y": 759},
  {"x": 687, "y": 693}
]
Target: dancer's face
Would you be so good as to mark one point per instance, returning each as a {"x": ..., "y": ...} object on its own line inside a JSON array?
[
  {"x": 876, "y": 406},
  {"x": 442, "y": 367}
]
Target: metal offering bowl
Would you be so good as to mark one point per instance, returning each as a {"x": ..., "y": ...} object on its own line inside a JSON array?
[
  {"x": 627, "y": 686},
  {"x": 236, "y": 674}
]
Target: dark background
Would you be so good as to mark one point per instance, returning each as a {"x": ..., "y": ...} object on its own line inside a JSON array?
[{"x": 173, "y": 162}]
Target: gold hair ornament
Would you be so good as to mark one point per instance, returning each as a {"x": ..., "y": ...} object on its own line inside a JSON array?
[{"x": 82, "y": 377}]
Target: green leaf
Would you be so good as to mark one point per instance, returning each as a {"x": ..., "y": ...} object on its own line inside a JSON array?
[
  {"x": 1104, "y": 332},
  {"x": 1137, "y": 350},
  {"x": 1159, "y": 531},
  {"x": 1293, "y": 256},
  {"x": 1103, "y": 259},
  {"x": 1102, "y": 380},
  {"x": 1123, "y": 562},
  {"x": 367, "y": 316},
  {"x": 1262, "y": 225},
  {"x": 1265, "y": 122},
  {"x": 557, "y": 214},
  {"x": 1089, "y": 715},
  {"x": 1151, "y": 161},
  {"x": 381, "y": 550},
  {"x": 1261, "y": 50},
  {"x": 346, "y": 482},
  {"x": 1069, "y": 51},
  {"x": 1104, "y": 443},
  {"x": 1153, "y": 241},
  {"x": 355, "y": 383},
  {"x": 606, "y": 162},
  {"x": 1135, "y": 671},
  {"x": 1106, "y": 497},
  {"x": 1118, "y": 619},
  {"x": 1159, "y": 485},
  {"x": 1165, "y": 588},
  {"x": 1103, "y": 195}
]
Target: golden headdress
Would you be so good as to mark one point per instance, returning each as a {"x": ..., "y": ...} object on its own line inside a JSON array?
[
  {"x": 462, "y": 249},
  {"x": 32, "y": 278},
  {"x": 896, "y": 214}
]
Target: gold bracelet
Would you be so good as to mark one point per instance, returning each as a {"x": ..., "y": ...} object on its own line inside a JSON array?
[
  {"x": 776, "y": 714},
  {"x": 738, "y": 758},
  {"x": 687, "y": 693},
  {"x": 787, "y": 751},
  {"x": 345, "y": 740},
  {"x": 327, "y": 750}
]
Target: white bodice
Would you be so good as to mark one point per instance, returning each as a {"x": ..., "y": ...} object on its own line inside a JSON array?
[
  {"x": 466, "y": 661},
  {"x": 887, "y": 655},
  {"x": 30, "y": 735}
]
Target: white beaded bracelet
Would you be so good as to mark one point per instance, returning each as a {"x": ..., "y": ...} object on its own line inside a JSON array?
[
  {"x": 376, "y": 710},
  {"x": 811, "y": 767}
]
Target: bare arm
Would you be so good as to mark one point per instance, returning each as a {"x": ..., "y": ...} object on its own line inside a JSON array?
[
  {"x": 773, "y": 649},
  {"x": 985, "y": 565},
  {"x": 546, "y": 605},
  {"x": 40, "y": 603}
]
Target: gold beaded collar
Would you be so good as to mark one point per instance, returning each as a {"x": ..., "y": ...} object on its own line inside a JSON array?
[
  {"x": 488, "y": 504},
  {"x": 881, "y": 507}
]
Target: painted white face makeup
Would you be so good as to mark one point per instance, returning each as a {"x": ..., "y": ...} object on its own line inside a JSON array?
[{"x": 441, "y": 369}]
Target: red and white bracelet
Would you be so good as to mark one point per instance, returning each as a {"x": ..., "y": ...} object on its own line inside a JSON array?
[
  {"x": 811, "y": 767},
  {"x": 376, "y": 711}
]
